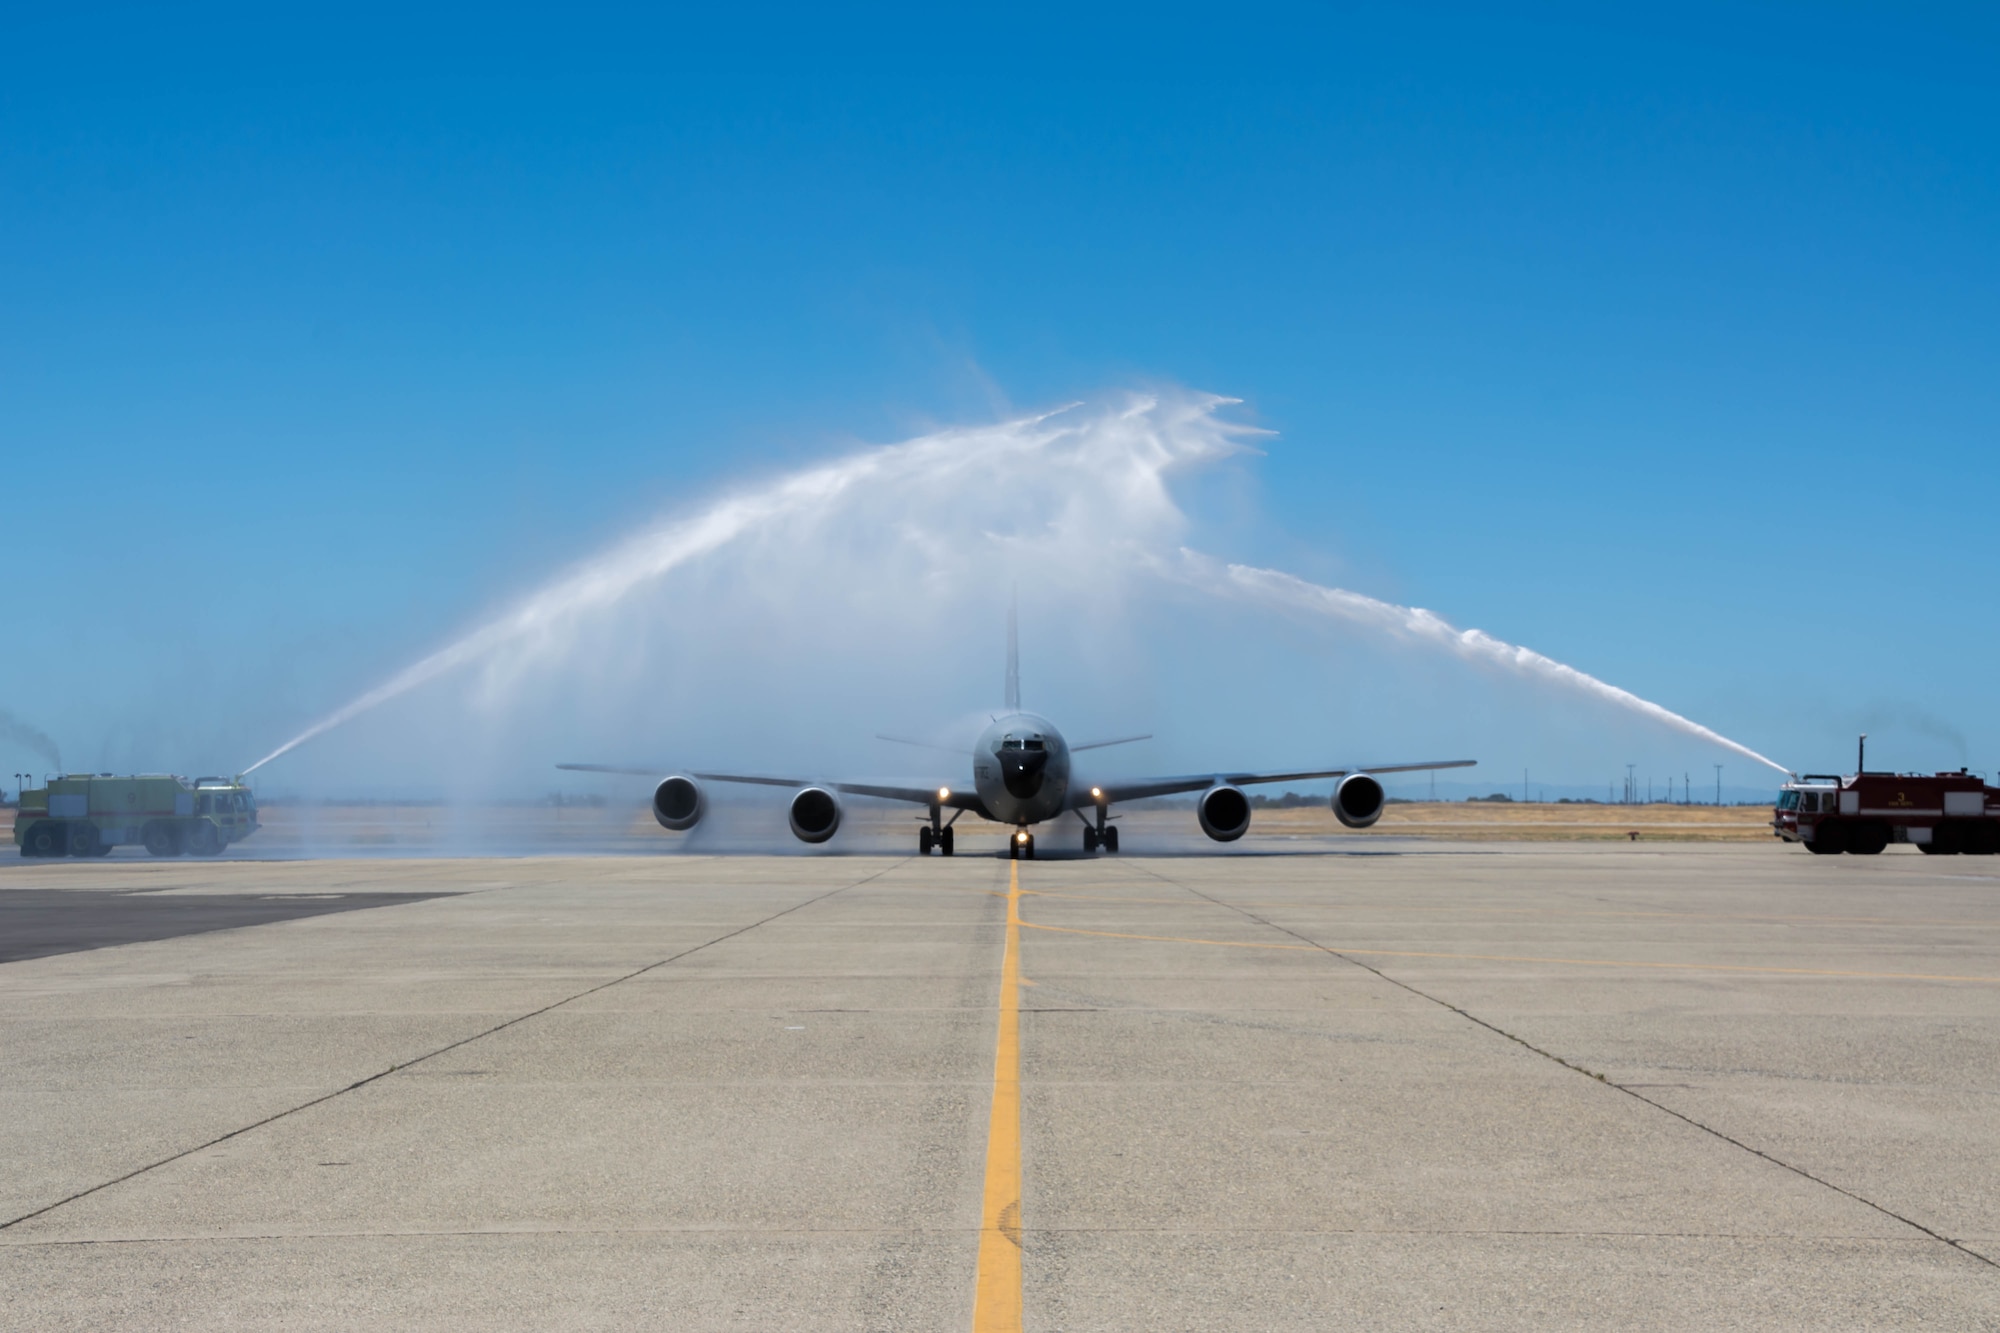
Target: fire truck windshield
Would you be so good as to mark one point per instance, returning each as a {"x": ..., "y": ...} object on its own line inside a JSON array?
[{"x": 1788, "y": 800}]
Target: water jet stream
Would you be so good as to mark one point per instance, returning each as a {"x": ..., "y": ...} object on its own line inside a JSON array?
[
  {"x": 1072, "y": 488},
  {"x": 1278, "y": 589}
]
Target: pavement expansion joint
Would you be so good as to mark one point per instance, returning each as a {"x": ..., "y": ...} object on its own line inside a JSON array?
[
  {"x": 399, "y": 1067},
  {"x": 1627, "y": 1089}
]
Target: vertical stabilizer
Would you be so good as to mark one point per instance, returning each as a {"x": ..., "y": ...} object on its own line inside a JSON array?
[{"x": 1014, "y": 652}]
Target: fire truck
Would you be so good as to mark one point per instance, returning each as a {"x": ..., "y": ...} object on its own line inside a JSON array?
[
  {"x": 1937, "y": 813},
  {"x": 87, "y": 814}
]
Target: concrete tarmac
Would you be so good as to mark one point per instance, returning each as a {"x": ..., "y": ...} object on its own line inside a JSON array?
[{"x": 1412, "y": 1085}]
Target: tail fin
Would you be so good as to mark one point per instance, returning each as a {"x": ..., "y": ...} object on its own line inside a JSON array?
[{"x": 1014, "y": 652}]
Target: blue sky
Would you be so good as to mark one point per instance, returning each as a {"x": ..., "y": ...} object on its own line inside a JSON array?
[{"x": 1663, "y": 343}]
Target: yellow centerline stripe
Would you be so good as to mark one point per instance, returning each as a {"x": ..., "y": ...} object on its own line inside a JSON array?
[
  {"x": 1508, "y": 958},
  {"x": 996, "y": 1302}
]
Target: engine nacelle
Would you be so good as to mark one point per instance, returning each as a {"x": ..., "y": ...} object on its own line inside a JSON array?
[
  {"x": 815, "y": 815},
  {"x": 678, "y": 803},
  {"x": 1358, "y": 800},
  {"x": 1224, "y": 813}
]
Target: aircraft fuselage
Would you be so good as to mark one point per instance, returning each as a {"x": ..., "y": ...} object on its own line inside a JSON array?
[{"x": 1021, "y": 769}]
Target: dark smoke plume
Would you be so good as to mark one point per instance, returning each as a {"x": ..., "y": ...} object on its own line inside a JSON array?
[{"x": 20, "y": 733}]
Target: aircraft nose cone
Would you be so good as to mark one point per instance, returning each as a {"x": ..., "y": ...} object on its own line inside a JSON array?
[{"x": 1021, "y": 771}]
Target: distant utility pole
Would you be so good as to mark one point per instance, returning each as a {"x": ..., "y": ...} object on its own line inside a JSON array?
[
  {"x": 1687, "y": 790},
  {"x": 1631, "y": 784},
  {"x": 1718, "y": 784},
  {"x": 1524, "y": 786}
]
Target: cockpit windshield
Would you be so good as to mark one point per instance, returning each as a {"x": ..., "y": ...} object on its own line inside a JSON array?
[{"x": 1022, "y": 743}]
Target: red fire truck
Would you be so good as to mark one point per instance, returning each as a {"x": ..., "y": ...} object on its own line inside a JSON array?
[{"x": 1862, "y": 813}]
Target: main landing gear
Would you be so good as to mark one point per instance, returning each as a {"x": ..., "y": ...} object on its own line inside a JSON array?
[
  {"x": 937, "y": 833},
  {"x": 1101, "y": 834}
]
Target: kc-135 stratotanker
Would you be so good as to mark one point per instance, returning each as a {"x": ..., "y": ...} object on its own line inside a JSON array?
[{"x": 1022, "y": 775}]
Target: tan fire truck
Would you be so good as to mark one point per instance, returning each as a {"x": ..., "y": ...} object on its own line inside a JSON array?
[{"x": 87, "y": 814}]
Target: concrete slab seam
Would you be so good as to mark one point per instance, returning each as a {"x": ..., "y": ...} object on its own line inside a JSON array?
[
  {"x": 1523, "y": 1042},
  {"x": 442, "y": 1050}
]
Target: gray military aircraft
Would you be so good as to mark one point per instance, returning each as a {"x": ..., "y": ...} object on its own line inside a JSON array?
[{"x": 1022, "y": 775}]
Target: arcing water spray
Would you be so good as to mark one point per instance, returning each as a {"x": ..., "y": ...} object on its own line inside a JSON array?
[
  {"x": 1059, "y": 492},
  {"x": 1274, "y": 588}
]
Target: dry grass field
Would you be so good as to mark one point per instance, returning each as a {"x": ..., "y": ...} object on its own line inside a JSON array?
[
  {"x": 1534, "y": 822},
  {"x": 308, "y": 830}
]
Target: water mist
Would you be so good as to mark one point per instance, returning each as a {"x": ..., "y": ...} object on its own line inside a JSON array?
[{"x": 951, "y": 513}]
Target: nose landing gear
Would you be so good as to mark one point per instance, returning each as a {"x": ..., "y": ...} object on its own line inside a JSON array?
[{"x": 1021, "y": 847}]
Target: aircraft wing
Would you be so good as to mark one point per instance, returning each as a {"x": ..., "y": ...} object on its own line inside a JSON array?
[
  {"x": 1140, "y": 788},
  {"x": 954, "y": 799}
]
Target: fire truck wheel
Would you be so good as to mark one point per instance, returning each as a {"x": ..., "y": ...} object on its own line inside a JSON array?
[
  {"x": 203, "y": 840},
  {"x": 43, "y": 840},
  {"x": 161, "y": 839},
  {"x": 83, "y": 839},
  {"x": 1944, "y": 842},
  {"x": 1826, "y": 840},
  {"x": 1867, "y": 839}
]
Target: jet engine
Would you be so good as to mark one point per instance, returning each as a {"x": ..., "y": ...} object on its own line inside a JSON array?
[
  {"x": 815, "y": 814},
  {"x": 678, "y": 803},
  {"x": 1358, "y": 800},
  {"x": 1224, "y": 813}
]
